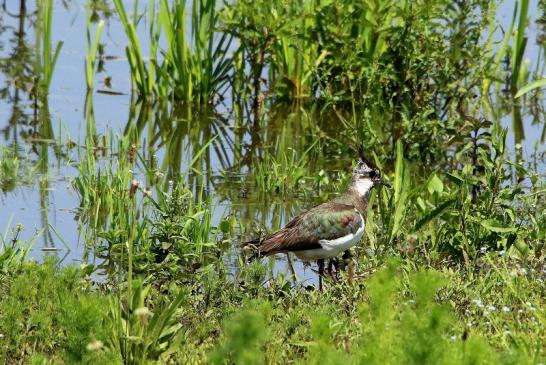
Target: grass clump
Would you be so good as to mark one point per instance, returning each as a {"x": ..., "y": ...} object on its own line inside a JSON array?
[
  {"x": 405, "y": 311},
  {"x": 15, "y": 170},
  {"x": 50, "y": 314},
  {"x": 194, "y": 68},
  {"x": 396, "y": 319}
]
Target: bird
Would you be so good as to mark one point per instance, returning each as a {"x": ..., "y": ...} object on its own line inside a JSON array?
[{"x": 328, "y": 229}]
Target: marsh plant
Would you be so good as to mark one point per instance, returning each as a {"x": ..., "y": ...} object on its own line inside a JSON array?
[
  {"x": 46, "y": 55},
  {"x": 467, "y": 210},
  {"x": 194, "y": 67}
]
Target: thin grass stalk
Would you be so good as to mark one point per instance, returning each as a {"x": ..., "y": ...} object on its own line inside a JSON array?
[
  {"x": 502, "y": 51},
  {"x": 92, "y": 48},
  {"x": 489, "y": 48},
  {"x": 401, "y": 185},
  {"x": 520, "y": 42},
  {"x": 154, "y": 42},
  {"x": 139, "y": 72}
]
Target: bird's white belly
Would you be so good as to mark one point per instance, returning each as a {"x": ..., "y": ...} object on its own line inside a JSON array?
[{"x": 331, "y": 248}]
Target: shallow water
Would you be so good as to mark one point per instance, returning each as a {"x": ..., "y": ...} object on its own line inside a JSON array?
[{"x": 47, "y": 203}]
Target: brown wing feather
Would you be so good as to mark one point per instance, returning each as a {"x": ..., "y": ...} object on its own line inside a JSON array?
[{"x": 294, "y": 236}]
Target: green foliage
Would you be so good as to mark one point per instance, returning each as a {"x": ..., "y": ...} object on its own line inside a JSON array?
[
  {"x": 16, "y": 168},
  {"x": 407, "y": 81},
  {"x": 182, "y": 236},
  {"x": 531, "y": 86},
  {"x": 244, "y": 334},
  {"x": 401, "y": 315},
  {"x": 13, "y": 252},
  {"x": 142, "y": 336},
  {"x": 49, "y": 313},
  {"x": 281, "y": 176},
  {"x": 9, "y": 169},
  {"x": 194, "y": 68},
  {"x": 141, "y": 75},
  {"x": 400, "y": 321},
  {"x": 467, "y": 210}
]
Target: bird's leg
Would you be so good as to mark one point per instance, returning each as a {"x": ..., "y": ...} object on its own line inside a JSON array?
[
  {"x": 331, "y": 265},
  {"x": 320, "y": 272},
  {"x": 341, "y": 264},
  {"x": 348, "y": 260},
  {"x": 291, "y": 267},
  {"x": 338, "y": 265}
]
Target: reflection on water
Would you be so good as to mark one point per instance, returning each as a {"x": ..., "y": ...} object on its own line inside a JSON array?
[{"x": 218, "y": 147}]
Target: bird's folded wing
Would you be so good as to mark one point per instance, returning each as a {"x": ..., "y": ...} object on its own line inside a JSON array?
[{"x": 327, "y": 221}]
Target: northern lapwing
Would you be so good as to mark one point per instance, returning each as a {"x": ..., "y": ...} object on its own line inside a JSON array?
[{"x": 328, "y": 229}]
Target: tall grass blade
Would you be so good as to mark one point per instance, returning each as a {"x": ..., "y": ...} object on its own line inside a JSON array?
[
  {"x": 91, "y": 56},
  {"x": 529, "y": 87},
  {"x": 400, "y": 185}
]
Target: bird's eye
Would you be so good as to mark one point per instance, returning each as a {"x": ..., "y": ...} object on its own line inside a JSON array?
[{"x": 373, "y": 174}]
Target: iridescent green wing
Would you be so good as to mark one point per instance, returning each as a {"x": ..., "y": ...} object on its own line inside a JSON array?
[
  {"x": 327, "y": 221},
  {"x": 331, "y": 220}
]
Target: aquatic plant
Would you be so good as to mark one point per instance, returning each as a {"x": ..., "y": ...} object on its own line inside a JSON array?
[
  {"x": 194, "y": 68},
  {"x": 92, "y": 48},
  {"x": 46, "y": 57},
  {"x": 198, "y": 65},
  {"x": 142, "y": 75}
]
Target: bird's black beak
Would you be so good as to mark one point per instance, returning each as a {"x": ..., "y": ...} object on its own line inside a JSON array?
[{"x": 380, "y": 181}]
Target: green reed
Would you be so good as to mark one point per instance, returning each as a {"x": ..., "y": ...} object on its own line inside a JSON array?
[
  {"x": 13, "y": 250},
  {"x": 46, "y": 55},
  {"x": 9, "y": 169},
  {"x": 195, "y": 66},
  {"x": 519, "y": 44},
  {"x": 285, "y": 173},
  {"x": 514, "y": 51},
  {"x": 104, "y": 185},
  {"x": 142, "y": 73},
  {"x": 295, "y": 57},
  {"x": 92, "y": 47}
]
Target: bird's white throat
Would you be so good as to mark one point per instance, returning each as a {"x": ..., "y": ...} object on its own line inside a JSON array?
[{"x": 363, "y": 186}]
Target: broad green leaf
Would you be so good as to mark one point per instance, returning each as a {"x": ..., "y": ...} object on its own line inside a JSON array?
[
  {"x": 455, "y": 178},
  {"x": 433, "y": 214},
  {"x": 496, "y": 226},
  {"x": 435, "y": 185}
]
